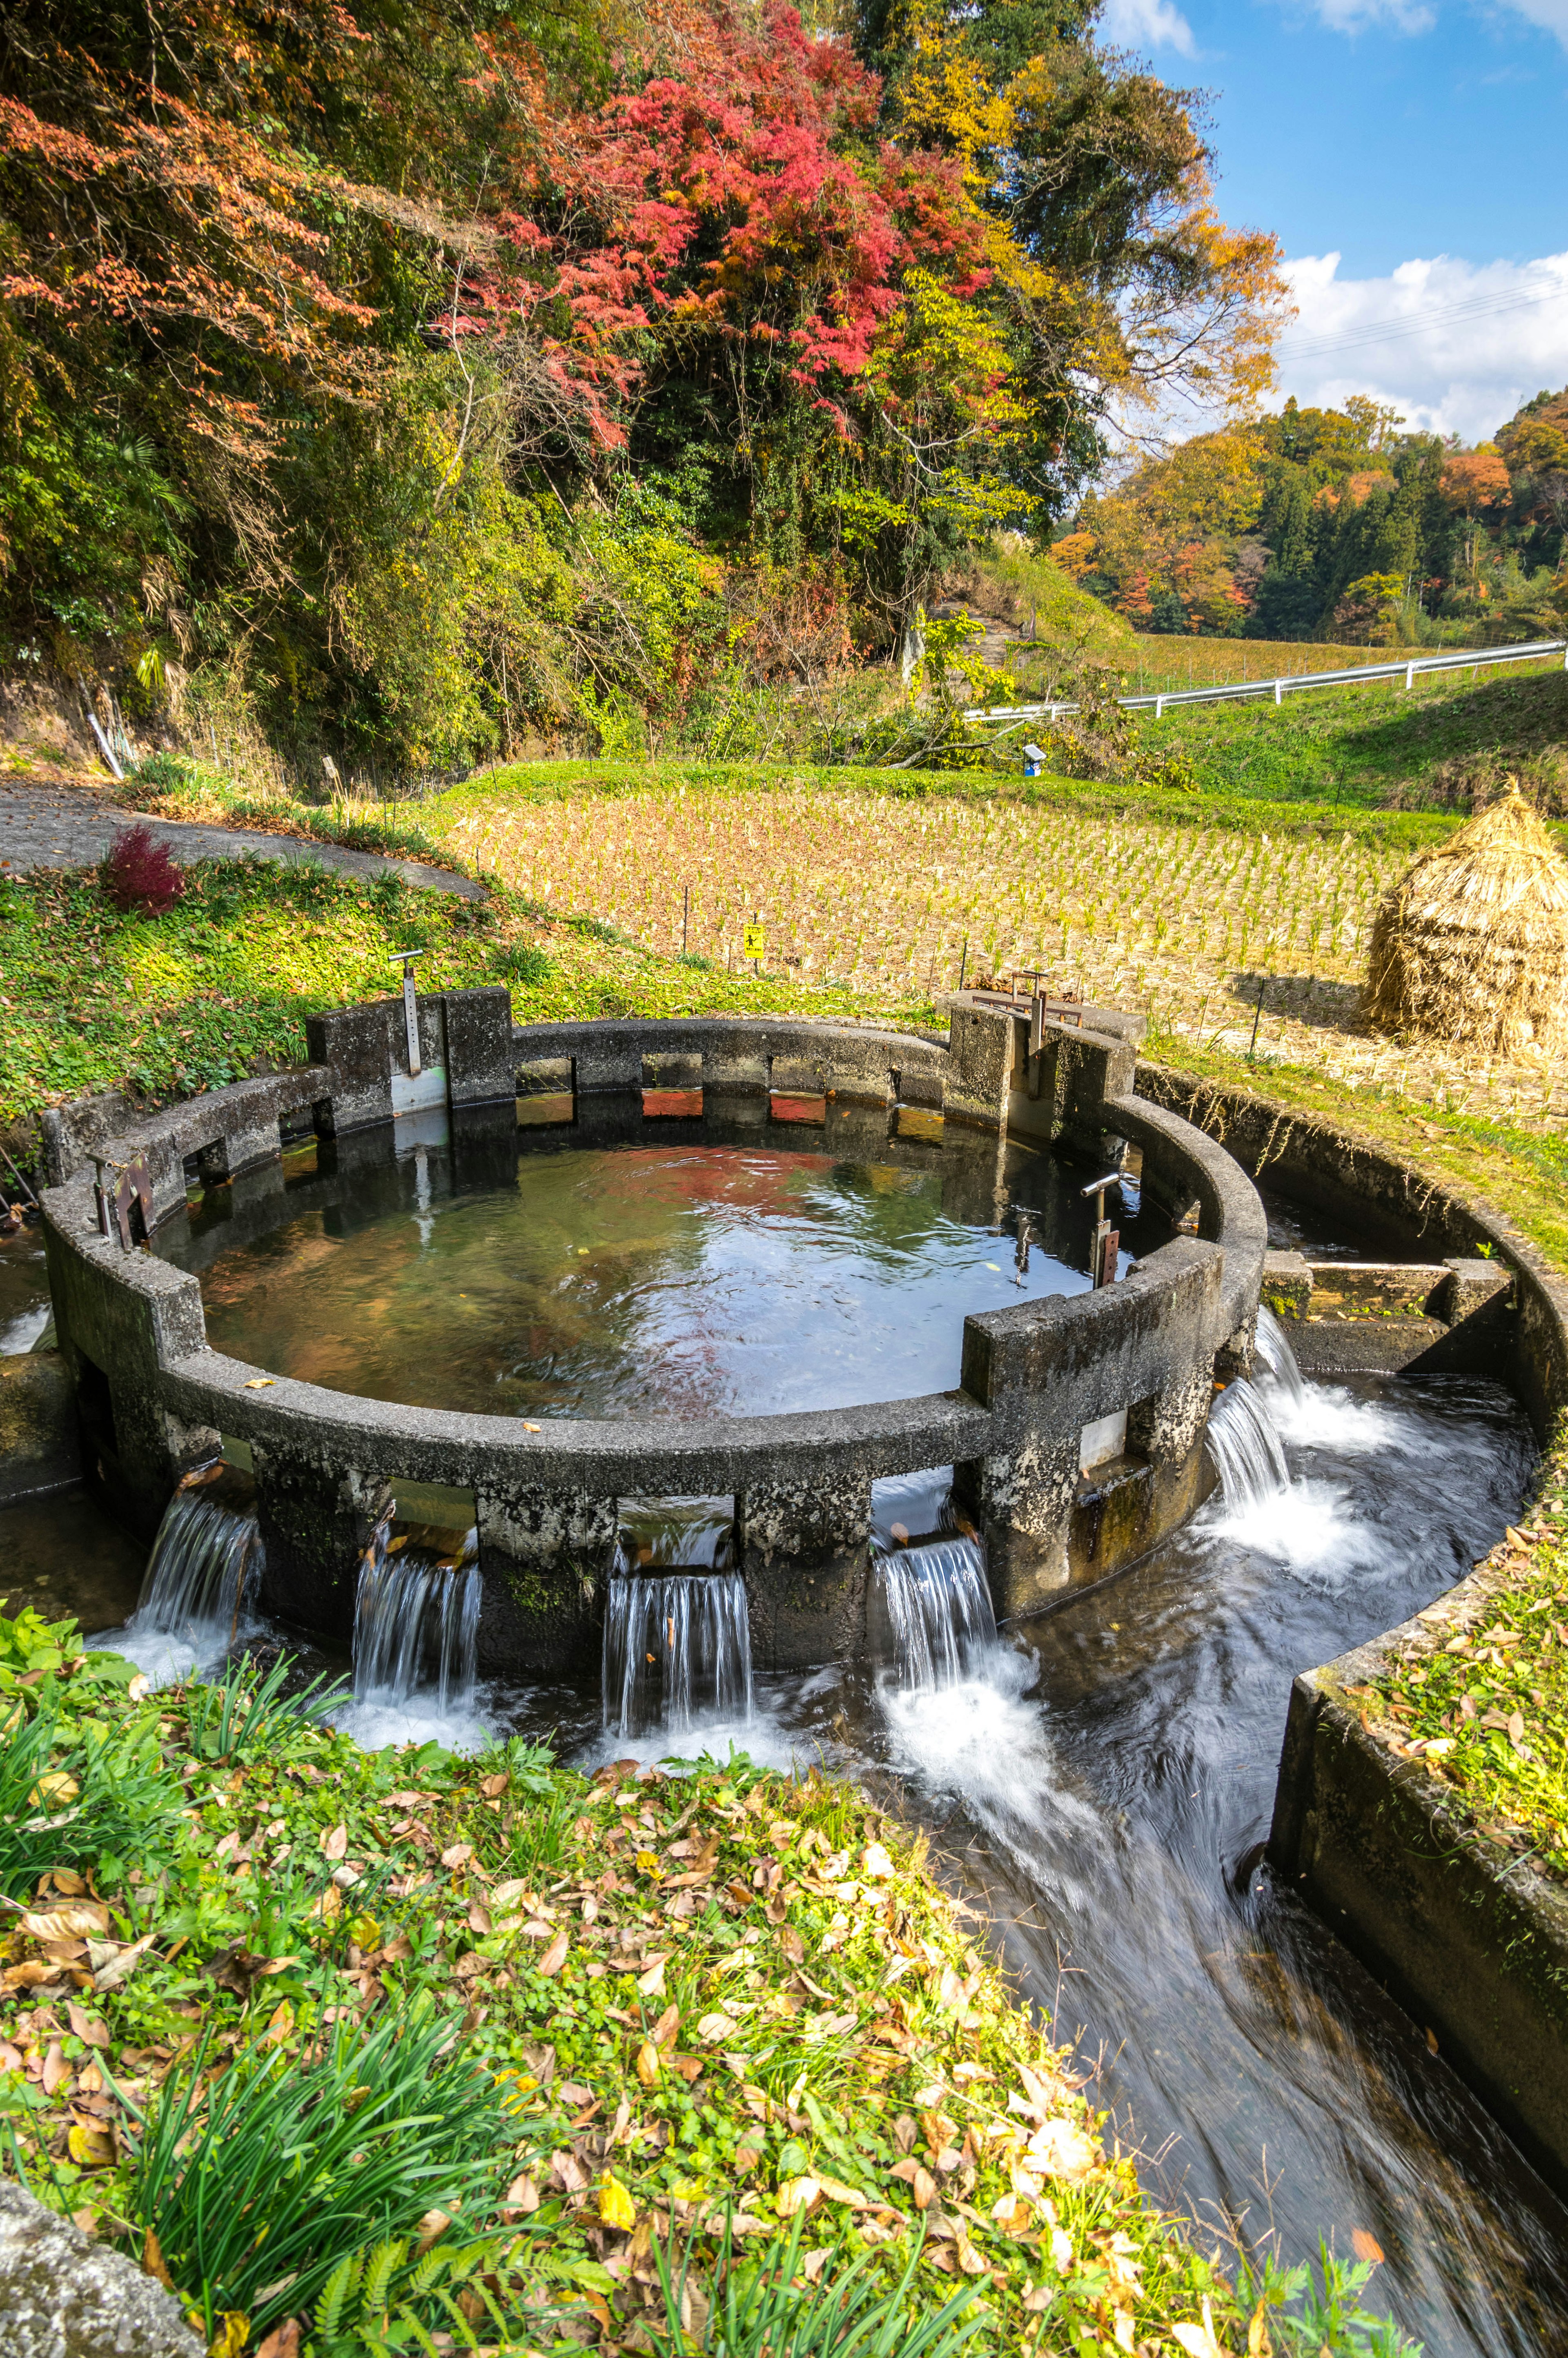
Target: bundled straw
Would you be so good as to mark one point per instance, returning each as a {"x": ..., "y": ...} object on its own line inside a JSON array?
[{"x": 1470, "y": 946}]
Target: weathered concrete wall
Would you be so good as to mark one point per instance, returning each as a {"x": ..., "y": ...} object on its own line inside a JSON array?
[
  {"x": 1047, "y": 1369},
  {"x": 152, "y": 1395},
  {"x": 1357, "y": 1179},
  {"x": 1476, "y": 1953}
]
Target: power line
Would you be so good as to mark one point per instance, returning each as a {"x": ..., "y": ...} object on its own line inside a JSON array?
[{"x": 1375, "y": 331}]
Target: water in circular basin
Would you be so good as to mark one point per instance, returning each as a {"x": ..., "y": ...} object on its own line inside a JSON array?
[{"x": 705, "y": 1273}]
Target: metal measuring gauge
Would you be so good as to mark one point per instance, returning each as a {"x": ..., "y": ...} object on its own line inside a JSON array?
[
  {"x": 410, "y": 1005},
  {"x": 1106, "y": 1241}
]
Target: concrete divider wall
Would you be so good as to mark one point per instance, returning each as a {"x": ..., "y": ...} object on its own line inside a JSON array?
[{"x": 153, "y": 1397}]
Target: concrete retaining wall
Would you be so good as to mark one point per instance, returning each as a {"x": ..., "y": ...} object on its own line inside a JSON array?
[{"x": 153, "y": 1397}]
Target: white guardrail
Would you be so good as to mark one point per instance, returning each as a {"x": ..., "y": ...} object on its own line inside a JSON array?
[{"x": 1410, "y": 667}]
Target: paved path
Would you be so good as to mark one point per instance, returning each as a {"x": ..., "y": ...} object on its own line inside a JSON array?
[{"x": 57, "y": 826}]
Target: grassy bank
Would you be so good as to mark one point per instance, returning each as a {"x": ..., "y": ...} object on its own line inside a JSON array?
[
  {"x": 533, "y": 2035},
  {"x": 221, "y": 985},
  {"x": 1488, "y": 1714},
  {"x": 1519, "y": 1168},
  {"x": 1366, "y": 747}
]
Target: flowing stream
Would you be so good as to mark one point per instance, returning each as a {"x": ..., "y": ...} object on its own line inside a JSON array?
[{"x": 1101, "y": 1783}]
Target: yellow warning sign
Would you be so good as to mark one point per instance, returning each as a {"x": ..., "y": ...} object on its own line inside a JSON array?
[{"x": 754, "y": 941}]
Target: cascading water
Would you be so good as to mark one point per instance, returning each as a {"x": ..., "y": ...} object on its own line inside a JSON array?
[
  {"x": 203, "y": 1573},
  {"x": 939, "y": 1613},
  {"x": 931, "y": 1619},
  {"x": 1247, "y": 1451},
  {"x": 1274, "y": 1350},
  {"x": 675, "y": 1643},
  {"x": 417, "y": 1623}
]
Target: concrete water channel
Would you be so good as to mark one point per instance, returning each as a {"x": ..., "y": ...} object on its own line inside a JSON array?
[{"x": 791, "y": 1331}]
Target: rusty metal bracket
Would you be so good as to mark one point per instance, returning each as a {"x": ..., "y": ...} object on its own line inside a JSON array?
[{"x": 132, "y": 1186}]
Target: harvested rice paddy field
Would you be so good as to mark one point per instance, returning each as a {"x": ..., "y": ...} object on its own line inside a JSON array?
[{"x": 1209, "y": 926}]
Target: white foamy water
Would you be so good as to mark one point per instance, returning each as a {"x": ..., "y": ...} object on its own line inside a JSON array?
[
  {"x": 377, "y": 1726},
  {"x": 20, "y": 1334},
  {"x": 764, "y": 1736},
  {"x": 197, "y": 1592}
]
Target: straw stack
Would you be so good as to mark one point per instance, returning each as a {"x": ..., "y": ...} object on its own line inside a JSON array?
[{"x": 1470, "y": 946}]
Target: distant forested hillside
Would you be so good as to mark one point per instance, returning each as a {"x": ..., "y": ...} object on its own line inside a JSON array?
[
  {"x": 1334, "y": 524},
  {"x": 427, "y": 379}
]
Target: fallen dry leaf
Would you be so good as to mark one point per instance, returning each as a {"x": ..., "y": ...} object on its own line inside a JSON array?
[
  {"x": 555, "y": 1956},
  {"x": 1198, "y": 2341},
  {"x": 90, "y": 2147},
  {"x": 335, "y": 1843},
  {"x": 77, "y": 1920},
  {"x": 120, "y": 1968}
]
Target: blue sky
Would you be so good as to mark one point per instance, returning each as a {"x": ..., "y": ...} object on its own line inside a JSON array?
[{"x": 1425, "y": 143}]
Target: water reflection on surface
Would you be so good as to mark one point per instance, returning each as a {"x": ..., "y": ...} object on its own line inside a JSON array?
[{"x": 727, "y": 1268}]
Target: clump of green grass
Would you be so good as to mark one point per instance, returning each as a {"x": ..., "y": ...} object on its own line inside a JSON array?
[
  {"x": 254, "y": 2181},
  {"x": 524, "y": 963},
  {"x": 241, "y": 1715}
]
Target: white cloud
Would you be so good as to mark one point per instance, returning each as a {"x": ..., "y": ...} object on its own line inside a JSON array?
[
  {"x": 1455, "y": 346},
  {"x": 1552, "y": 15},
  {"x": 1416, "y": 16},
  {"x": 1359, "y": 15},
  {"x": 1155, "y": 25}
]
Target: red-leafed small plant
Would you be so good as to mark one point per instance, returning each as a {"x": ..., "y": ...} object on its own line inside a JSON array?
[{"x": 140, "y": 872}]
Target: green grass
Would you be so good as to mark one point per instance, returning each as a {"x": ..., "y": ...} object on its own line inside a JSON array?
[
  {"x": 586, "y": 781},
  {"x": 1355, "y": 746},
  {"x": 600, "y": 2051},
  {"x": 1521, "y": 1171},
  {"x": 221, "y": 985},
  {"x": 1494, "y": 1699}
]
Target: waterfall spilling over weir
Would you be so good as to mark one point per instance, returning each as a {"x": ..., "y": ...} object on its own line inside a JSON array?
[
  {"x": 938, "y": 1607},
  {"x": 416, "y": 1622},
  {"x": 202, "y": 1578},
  {"x": 675, "y": 1643},
  {"x": 929, "y": 1608},
  {"x": 1274, "y": 1351},
  {"x": 205, "y": 1564},
  {"x": 1247, "y": 1451}
]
